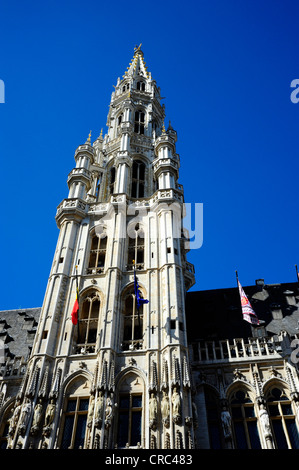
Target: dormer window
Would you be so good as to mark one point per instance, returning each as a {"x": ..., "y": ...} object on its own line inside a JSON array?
[
  {"x": 141, "y": 86},
  {"x": 139, "y": 122}
]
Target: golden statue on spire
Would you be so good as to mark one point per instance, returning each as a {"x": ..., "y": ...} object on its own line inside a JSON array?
[{"x": 137, "y": 48}]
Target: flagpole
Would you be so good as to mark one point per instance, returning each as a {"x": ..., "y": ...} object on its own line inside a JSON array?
[
  {"x": 136, "y": 293},
  {"x": 297, "y": 272},
  {"x": 237, "y": 277}
]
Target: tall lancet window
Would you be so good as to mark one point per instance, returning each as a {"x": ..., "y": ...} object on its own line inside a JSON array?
[
  {"x": 244, "y": 421},
  {"x": 89, "y": 310},
  {"x": 282, "y": 418},
  {"x": 136, "y": 248},
  {"x": 132, "y": 322},
  {"x": 111, "y": 180},
  {"x": 138, "y": 179},
  {"x": 97, "y": 255},
  {"x": 139, "y": 122},
  {"x": 129, "y": 419}
]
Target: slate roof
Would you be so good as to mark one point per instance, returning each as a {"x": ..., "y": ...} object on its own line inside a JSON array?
[
  {"x": 216, "y": 314},
  {"x": 17, "y": 330}
]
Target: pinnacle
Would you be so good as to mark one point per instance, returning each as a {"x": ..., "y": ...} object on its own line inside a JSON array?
[{"x": 137, "y": 65}]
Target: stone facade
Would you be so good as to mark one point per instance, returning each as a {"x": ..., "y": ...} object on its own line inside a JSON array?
[{"x": 120, "y": 376}]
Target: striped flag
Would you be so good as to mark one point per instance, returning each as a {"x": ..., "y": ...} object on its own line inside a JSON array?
[
  {"x": 75, "y": 310},
  {"x": 247, "y": 310}
]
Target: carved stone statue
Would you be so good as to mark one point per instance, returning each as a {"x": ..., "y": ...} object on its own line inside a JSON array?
[
  {"x": 25, "y": 415},
  {"x": 108, "y": 412},
  {"x": 15, "y": 418},
  {"x": 226, "y": 423},
  {"x": 165, "y": 409},
  {"x": 176, "y": 406},
  {"x": 49, "y": 418},
  {"x": 265, "y": 422},
  {"x": 90, "y": 412},
  {"x": 37, "y": 416},
  {"x": 99, "y": 409},
  {"x": 38, "y": 410},
  {"x": 153, "y": 408}
]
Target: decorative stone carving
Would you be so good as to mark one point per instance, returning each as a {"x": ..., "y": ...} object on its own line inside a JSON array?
[
  {"x": 99, "y": 410},
  {"x": 153, "y": 409},
  {"x": 165, "y": 409},
  {"x": 90, "y": 412},
  {"x": 176, "y": 406},
  {"x": 108, "y": 412},
  {"x": 226, "y": 423},
  {"x": 37, "y": 416},
  {"x": 49, "y": 418},
  {"x": 25, "y": 415},
  {"x": 265, "y": 422},
  {"x": 15, "y": 418}
]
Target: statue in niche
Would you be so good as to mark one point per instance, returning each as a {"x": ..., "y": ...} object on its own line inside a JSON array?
[
  {"x": 25, "y": 415},
  {"x": 153, "y": 408},
  {"x": 265, "y": 422},
  {"x": 15, "y": 418},
  {"x": 165, "y": 409},
  {"x": 49, "y": 418},
  {"x": 90, "y": 412},
  {"x": 176, "y": 406},
  {"x": 108, "y": 412},
  {"x": 99, "y": 409},
  {"x": 37, "y": 416},
  {"x": 226, "y": 423}
]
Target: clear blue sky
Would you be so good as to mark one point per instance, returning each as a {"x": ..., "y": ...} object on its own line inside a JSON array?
[{"x": 224, "y": 67}]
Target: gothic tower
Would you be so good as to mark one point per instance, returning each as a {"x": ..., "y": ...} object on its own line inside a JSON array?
[{"x": 119, "y": 375}]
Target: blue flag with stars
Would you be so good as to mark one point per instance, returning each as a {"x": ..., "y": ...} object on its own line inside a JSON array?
[{"x": 140, "y": 300}]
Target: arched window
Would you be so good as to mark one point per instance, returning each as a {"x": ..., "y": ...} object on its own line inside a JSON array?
[
  {"x": 132, "y": 337},
  {"x": 282, "y": 419},
  {"x": 130, "y": 406},
  {"x": 97, "y": 255},
  {"x": 139, "y": 122},
  {"x": 89, "y": 310},
  {"x": 74, "y": 419},
  {"x": 136, "y": 248},
  {"x": 141, "y": 86},
  {"x": 244, "y": 419},
  {"x": 138, "y": 179}
]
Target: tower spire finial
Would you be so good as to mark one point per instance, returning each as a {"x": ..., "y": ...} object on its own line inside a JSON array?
[
  {"x": 89, "y": 136},
  {"x": 137, "y": 48}
]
